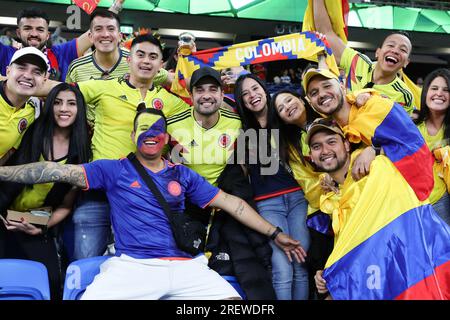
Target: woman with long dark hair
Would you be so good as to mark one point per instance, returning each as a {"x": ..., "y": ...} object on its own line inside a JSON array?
[
  {"x": 61, "y": 135},
  {"x": 278, "y": 196},
  {"x": 293, "y": 114},
  {"x": 434, "y": 124}
]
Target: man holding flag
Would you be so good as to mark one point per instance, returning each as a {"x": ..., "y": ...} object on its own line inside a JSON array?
[
  {"x": 379, "y": 123},
  {"x": 361, "y": 72},
  {"x": 388, "y": 244}
]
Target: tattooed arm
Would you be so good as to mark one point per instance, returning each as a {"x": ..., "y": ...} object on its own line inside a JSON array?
[
  {"x": 42, "y": 172},
  {"x": 241, "y": 211}
]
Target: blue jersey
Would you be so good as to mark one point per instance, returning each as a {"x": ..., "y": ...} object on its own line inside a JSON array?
[
  {"x": 60, "y": 56},
  {"x": 141, "y": 227}
]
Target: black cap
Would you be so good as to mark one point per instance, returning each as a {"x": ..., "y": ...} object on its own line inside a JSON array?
[{"x": 205, "y": 72}]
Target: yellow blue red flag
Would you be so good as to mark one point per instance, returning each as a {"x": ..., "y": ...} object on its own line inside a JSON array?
[
  {"x": 388, "y": 244},
  {"x": 338, "y": 13},
  {"x": 304, "y": 45},
  {"x": 383, "y": 123}
]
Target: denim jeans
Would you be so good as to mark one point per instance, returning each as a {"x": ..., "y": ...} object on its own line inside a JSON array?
[
  {"x": 88, "y": 232},
  {"x": 288, "y": 211},
  {"x": 442, "y": 207}
]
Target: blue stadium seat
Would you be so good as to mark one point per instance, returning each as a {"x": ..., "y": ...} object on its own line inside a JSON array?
[
  {"x": 82, "y": 272},
  {"x": 79, "y": 275},
  {"x": 23, "y": 280},
  {"x": 233, "y": 281}
]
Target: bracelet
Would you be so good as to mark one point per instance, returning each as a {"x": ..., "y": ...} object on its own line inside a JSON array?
[
  {"x": 377, "y": 150},
  {"x": 275, "y": 233}
]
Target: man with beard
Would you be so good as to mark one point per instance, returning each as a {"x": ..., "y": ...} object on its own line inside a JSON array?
[
  {"x": 361, "y": 72},
  {"x": 114, "y": 103},
  {"x": 203, "y": 138},
  {"x": 206, "y": 133},
  {"x": 148, "y": 263},
  {"x": 388, "y": 244},
  {"x": 379, "y": 123},
  {"x": 32, "y": 31}
]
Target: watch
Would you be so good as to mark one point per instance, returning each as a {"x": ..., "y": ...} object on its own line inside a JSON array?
[
  {"x": 377, "y": 150},
  {"x": 275, "y": 233}
]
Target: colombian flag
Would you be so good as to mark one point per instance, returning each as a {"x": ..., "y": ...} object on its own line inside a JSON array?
[
  {"x": 338, "y": 13},
  {"x": 388, "y": 244},
  {"x": 383, "y": 123},
  {"x": 305, "y": 45}
]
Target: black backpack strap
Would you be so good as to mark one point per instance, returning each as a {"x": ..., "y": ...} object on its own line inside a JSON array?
[{"x": 150, "y": 183}]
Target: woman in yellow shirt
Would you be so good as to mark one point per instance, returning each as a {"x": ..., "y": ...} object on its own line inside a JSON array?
[
  {"x": 60, "y": 135},
  {"x": 434, "y": 124}
]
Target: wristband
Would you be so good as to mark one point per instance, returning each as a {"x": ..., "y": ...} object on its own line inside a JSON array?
[
  {"x": 377, "y": 150},
  {"x": 275, "y": 233}
]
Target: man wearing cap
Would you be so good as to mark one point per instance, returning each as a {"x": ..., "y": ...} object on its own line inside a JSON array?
[
  {"x": 148, "y": 262},
  {"x": 26, "y": 74},
  {"x": 392, "y": 56},
  {"x": 388, "y": 243},
  {"x": 32, "y": 31},
  {"x": 204, "y": 136},
  {"x": 379, "y": 123}
]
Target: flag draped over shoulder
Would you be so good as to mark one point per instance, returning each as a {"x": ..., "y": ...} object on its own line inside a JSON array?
[
  {"x": 87, "y": 5},
  {"x": 304, "y": 45},
  {"x": 442, "y": 156},
  {"x": 309, "y": 180},
  {"x": 388, "y": 244},
  {"x": 383, "y": 123},
  {"x": 338, "y": 13}
]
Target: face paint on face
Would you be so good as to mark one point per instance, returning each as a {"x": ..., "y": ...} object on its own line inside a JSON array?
[{"x": 150, "y": 136}]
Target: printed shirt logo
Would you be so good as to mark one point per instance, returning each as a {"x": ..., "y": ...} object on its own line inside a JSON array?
[
  {"x": 123, "y": 97},
  {"x": 174, "y": 188},
  {"x": 158, "y": 104},
  {"x": 224, "y": 140},
  {"x": 135, "y": 184},
  {"x": 23, "y": 123},
  {"x": 193, "y": 143}
]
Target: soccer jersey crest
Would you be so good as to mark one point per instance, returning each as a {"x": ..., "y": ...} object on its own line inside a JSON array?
[
  {"x": 224, "y": 140},
  {"x": 174, "y": 188},
  {"x": 158, "y": 104},
  {"x": 22, "y": 126}
]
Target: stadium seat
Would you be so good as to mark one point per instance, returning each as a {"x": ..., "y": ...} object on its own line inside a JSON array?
[
  {"x": 79, "y": 275},
  {"x": 233, "y": 281},
  {"x": 82, "y": 272},
  {"x": 23, "y": 280}
]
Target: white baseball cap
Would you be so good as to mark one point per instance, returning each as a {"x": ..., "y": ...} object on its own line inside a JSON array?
[{"x": 31, "y": 55}]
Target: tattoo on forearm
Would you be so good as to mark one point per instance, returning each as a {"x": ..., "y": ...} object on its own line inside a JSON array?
[
  {"x": 42, "y": 172},
  {"x": 240, "y": 208}
]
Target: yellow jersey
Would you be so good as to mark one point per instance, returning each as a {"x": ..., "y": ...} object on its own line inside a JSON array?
[
  {"x": 15, "y": 121},
  {"x": 206, "y": 151},
  {"x": 434, "y": 142},
  {"x": 359, "y": 71},
  {"x": 86, "y": 68},
  {"x": 33, "y": 196}
]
